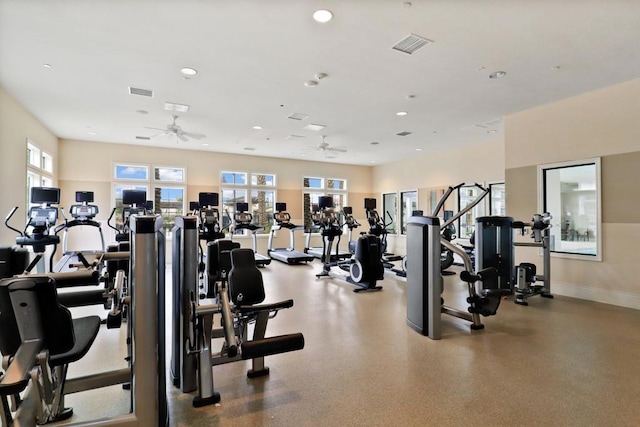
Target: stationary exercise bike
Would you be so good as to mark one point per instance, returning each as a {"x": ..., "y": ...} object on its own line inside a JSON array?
[{"x": 365, "y": 267}]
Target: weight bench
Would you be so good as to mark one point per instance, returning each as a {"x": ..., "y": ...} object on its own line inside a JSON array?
[
  {"x": 239, "y": 305},
  {"x": 37, "y": 330}
]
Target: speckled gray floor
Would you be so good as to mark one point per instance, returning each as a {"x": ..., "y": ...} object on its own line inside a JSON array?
[{"x": 564, "y": 362}]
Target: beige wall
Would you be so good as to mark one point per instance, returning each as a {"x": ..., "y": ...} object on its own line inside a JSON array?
[
  {"x": 604, "y": 124},
  {"x": 481, "y": 163},
  {"x": 16, "y": 125},
  {"x": 89, "y": 166}
]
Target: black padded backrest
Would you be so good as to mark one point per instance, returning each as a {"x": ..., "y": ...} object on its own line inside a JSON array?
[
  {"x": 245, "y": 280},
  {"x": 57, "y": 325},
  {"x": 219, "y": 256}
]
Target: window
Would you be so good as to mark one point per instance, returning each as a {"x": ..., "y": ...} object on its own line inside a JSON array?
[
  {"x": 497, "y": 193},
  {"x": 314, "y": 187},
  {"x": 466, "y": 223},
  {"x": 131, "y": 172},
  {"x": 434, "y": 197},
  {"x": 571, "y": 194},
  {"x": 408, "y": 204},
  {"x": 389, "y": 205},
  {"x": 166, "y": 192},
  {"x": 235, "y": 189},
  {"x": 39, "y": 168}
]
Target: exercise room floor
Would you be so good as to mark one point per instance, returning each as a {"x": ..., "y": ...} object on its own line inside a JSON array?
[{"x": 561, "y": 361}]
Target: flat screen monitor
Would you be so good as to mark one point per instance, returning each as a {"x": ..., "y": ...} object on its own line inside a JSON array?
[
  {"x": 194, "y": 206},
  {"x": 45, "y": 195},
  {"x": 348, "y": 210},
  {"x": 208, "y": 199},
  {"x": 134, "y": 197},
  {"x": 325, "y": 202},
  {"x": 148, "y": 205},
  {"x": 84, "y": 196},
  {"x": 369, "y": 203},
  {"x": 281, "y": 207},
  {"x": 417, "y": 213},
  {"x": 315, "y": 207},
  {"x": 242, "y": 207}
]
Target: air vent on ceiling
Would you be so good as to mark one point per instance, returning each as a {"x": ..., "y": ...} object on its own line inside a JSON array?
[
  {"x": 178, "y": 108},
  {"x": 295, "y": 137},
  {"x": 405, "y": 133},
  {"x": 249, "y": 149},
  {"x": 141, "y": 92},
  {"x": 411, "y": 43},
  {"x": 314, "y": 127},
  {"x": 297, "y": 116},
  {"x": 143, "y": 138}
]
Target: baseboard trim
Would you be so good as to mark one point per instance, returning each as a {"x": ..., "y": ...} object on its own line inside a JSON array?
[{"x": 622, "y": 299}]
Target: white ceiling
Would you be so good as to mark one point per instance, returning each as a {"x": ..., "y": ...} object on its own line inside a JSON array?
[{"x": 253, "y": 57}]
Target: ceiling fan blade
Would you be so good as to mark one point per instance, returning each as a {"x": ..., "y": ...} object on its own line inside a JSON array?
[
  {"x": 194, "y": 135},
  {"x": 337, "y": 150},
  {"x": 182, "y": 137},
  {"x": 147, "y": 127}
]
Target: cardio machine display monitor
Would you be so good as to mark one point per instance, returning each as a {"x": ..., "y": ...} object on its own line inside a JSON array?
[
  {"x": 148, "y": 205},
  {"x": 325, "y": 202},
  {"x": 369, "y": 203},
  {"x": 134, "y": 197},
  {"x": 447, "y": 215},
  {"x": 208, "y": 199},
  {"x": 84, "y": 196},
  {"x": 242, "y": 207},
  {"x": 281, "y": 207},
  {"x": 194, "y": 206},
  {"x": 315, "y": 207},
  {"x": 45, "y": 195},
  {"x": 417, "y": 213},
  {"x": 348, "y": 210}
]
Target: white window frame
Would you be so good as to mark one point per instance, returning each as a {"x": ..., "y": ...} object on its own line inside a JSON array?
[
  {"x": 323, "y": 191},
  {"x": 39, "y": 167},
  {"x": 557, "y": 221},
  {"x": 150, "y": 184},
  {"x": 248, "y": 189}
]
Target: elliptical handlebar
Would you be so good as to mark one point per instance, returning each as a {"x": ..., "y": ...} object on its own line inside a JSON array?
[
  {"x": 113, "y": 211},
  {"x": 6, "y": 222}
]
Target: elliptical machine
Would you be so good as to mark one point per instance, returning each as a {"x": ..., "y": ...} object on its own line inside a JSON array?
[
  {"x": 365, "y": 267},
  {"x": 378, "y": 228},
  {"x": 41, "y": 219}
]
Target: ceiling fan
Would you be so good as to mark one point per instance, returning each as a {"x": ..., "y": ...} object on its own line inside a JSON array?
[
  {"x": 175, "y": 129},
  {"x": 329, "y": 151}
]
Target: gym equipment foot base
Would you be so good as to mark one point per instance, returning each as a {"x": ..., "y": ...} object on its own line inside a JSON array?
[
  {"x": 199, "y": 402},
  {"x": 377, "y": 288},
  {"x": 521, "y": 302},
  {"x": 546, "y": 295},
  {"x": 65, "y": 414},
  {"x": 255, "y": 374},
  {"x": 477, "y": 327}
]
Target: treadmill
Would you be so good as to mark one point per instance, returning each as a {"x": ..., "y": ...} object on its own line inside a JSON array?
[
  {"x": 243, "y": 220},
  {"x": 318, "y": 252},
  {"x": 287, "y": 255}
]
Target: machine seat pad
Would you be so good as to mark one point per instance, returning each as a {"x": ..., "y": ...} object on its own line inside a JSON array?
[
  {"x": 496, "y": 292},
  {"x": 248, "y": 309},
  {"x": 245, "y": 280},
  {"x": 85, "y": 330}
]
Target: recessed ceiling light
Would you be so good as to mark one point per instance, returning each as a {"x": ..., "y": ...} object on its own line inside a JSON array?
[
  {"x": 401, "y": 113},
  {"x": 322, "y": 15},
  {"x": 311, "y": 83},
  {"x": 257, "y": 127},
  {"x": 373, "y": 161},
  {"x": 418, "y": 149},
  {"x": 188, "y": 71},
  {"x": 497, "y": 74},
  {"x": 47, "y": 65},
  {"x": 492, "y": 131},
  {"x": 142, "y": 112},
  {"x": 375, "y": 143},
  {"x": 204, "y": 144},
  {"x": 92, "y": 133}
]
